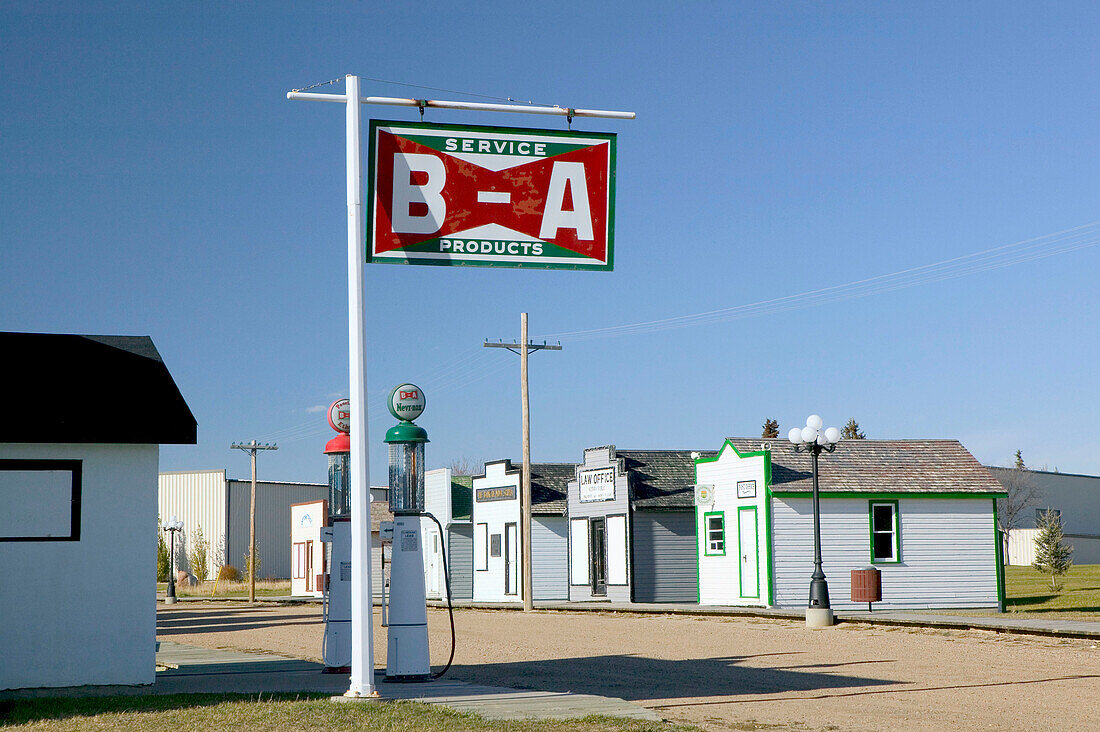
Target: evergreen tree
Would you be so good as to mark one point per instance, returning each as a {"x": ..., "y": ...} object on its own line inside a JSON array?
[
  {"x": 771, "y": 428},
  {"x": 1052, "y": 556},
  {"x": 1020, "y": 461},
  {"x": 162, "y": 555},
  {"x": 851, "y": 431}
]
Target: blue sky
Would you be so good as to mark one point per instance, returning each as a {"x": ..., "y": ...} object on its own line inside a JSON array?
[{"x": 155, "y": 180}]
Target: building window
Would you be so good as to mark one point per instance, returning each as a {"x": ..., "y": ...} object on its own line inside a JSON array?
[
  {"x": 884, "y": 532},
  {"x": 715, "y": 526},
  {"x": 494, "y": 545},
  {"x": 481, "y": 547}
]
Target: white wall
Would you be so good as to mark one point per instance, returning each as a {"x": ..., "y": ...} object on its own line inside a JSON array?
[
  {"x": 84, "y": 612},
  {"x": 489, "y": 584},
  {"x": 307, "y": 551},
  {"x": 720, "y": 581},
  {"x": 948, "y": 552}
]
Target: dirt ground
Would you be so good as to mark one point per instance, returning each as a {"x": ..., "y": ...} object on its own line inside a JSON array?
[{"x": 725, "y": 673}]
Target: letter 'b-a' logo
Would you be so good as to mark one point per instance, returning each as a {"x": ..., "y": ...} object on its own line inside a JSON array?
[{"x": 449, "y": 194}]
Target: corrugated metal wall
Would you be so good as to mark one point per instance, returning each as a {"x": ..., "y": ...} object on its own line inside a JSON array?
[
  {"x": 460, "y": 560},
  {"x": 948, "y": 552},
  {"x": 549, "y": 558},
  {"x": 198, "y": 499},
  {"x": 273, "y": 501},
  {"x": 665, "y": 563}
]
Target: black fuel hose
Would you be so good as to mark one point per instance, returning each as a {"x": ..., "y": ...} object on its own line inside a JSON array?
[{"x": 447, "y": 585}]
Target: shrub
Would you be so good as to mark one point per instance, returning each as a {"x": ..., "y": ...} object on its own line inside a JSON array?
[
  {"x": 162, "y": 555},
  {"x": 229, "y": 573},
  {"x": 248, "y": 563},
  {"x": 197, "y": 557}
]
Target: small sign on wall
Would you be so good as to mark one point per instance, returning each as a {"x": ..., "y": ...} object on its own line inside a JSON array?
[
  {"x": 501, "y": 493},
  {"x": 704, "y": 494},
  {"x": 597, "y": 485},
  {"x": 746, "y": 489}
]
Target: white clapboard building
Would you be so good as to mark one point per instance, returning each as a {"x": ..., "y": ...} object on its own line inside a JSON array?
[
  {"x": 497, "y": 524},
  {"x": 84, "y": 419},
  {"x": 923, "y": 512}
]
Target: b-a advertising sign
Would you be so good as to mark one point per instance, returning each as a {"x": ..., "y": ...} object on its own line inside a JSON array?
[{"x": 490, "y": 196}]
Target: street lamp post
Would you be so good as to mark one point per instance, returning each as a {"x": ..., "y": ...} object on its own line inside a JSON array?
[
  {"x": 815, "y": 440},
  {"x": 172, "y": 526}
]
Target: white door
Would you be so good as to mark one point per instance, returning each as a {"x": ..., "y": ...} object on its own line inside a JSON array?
[
  {"x": 511, "y": 560},
  {"x": 432, "y": 564},
  {"x": 747, "y": 543}
]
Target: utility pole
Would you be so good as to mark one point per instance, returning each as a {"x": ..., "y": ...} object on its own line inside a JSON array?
[
  {"x": 251, "y": 448},
  {"x": 523, "y": 347}
]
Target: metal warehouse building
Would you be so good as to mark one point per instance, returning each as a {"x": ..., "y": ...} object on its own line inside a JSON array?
[{"x": 220, "y": 505}]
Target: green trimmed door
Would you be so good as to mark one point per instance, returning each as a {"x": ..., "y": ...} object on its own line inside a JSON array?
[{"x": 747, "y": 542}]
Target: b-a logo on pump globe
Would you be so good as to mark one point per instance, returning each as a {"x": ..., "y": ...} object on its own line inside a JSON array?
[{"x": 406, "y": 402}]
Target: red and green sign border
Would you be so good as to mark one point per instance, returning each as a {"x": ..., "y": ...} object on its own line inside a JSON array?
[{"x": 369, "y": 207}]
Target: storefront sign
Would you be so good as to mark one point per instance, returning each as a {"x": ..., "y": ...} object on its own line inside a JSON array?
[
  {"x": 746, "y": 489},
  {"x": 597, "y": 485},
  {"x": 502, "y": 493},
  {"x": 490, "y": 196}
]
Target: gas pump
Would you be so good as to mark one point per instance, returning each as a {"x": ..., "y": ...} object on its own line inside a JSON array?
[
  {"x": 336, "y": 603},
  {"x": 407, "y": 616}
]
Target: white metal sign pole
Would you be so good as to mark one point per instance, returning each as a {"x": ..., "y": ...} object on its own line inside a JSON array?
[{"x": 362, "y": 625}]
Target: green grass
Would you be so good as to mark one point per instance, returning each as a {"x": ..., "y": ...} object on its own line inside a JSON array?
[
  {"x": 264, "y": 588},
  {"x": 1028, "y": 591},
  {"x": 205, "y": 712}
]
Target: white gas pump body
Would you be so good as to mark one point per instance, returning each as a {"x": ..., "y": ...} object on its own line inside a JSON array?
[
  {"x": 336, "y": 648},
  {"x": 407, "y": 639}
]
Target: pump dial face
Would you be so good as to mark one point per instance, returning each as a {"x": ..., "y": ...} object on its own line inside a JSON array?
[
  {"x": 406, "y": 402},
  {"x": 339, "y": 416}
]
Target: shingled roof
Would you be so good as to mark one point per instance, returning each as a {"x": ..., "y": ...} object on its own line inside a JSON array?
[
  {"x": 876, "y": 466},
  {"x": 548, "y": 486},
  {"x": 661, "y": 478},
  {"x": 549, "y": 482}
]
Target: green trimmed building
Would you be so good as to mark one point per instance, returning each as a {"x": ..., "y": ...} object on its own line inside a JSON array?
[{"x": 921, "y": 511}]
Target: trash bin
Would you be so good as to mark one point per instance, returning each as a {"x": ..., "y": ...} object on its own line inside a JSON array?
[{"x": 867, "y": 585}]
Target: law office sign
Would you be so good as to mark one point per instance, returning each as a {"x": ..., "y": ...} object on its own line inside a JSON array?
[{"x": 490, "y": 196}]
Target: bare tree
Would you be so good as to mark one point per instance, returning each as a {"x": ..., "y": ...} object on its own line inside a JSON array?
[
  {"x": 465, "y": 466},
  {"x": 1022, "y": 494}
]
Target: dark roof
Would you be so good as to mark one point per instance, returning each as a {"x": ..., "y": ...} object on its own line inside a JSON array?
[
  {"x": 661, "y": 478},
  {"x": 549, "y": 483},
  {"x": 877, "y": 466},
  {"x": 90, "y": 389}
]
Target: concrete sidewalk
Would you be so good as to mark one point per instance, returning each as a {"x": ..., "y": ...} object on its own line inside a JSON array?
[{"x": 184, "y": 669}]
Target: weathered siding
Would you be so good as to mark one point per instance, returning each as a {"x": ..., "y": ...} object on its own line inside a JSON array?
[
  {"x": 665, "y": 562},
  {"x": 549, "y": 558},
  {"x": 595, "y": 458},
  {"x": 273, "y": 501},
  {"x": 460, "y": 556},
  {"x": 198, "y": 499},
  {"x": 947, "y": 552}
]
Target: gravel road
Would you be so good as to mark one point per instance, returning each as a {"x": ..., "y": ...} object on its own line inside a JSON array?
[{"x": 724, "y": 673}]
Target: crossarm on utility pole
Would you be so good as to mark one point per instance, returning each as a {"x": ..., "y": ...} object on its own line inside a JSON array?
[{"x": 517, "y": 347}]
